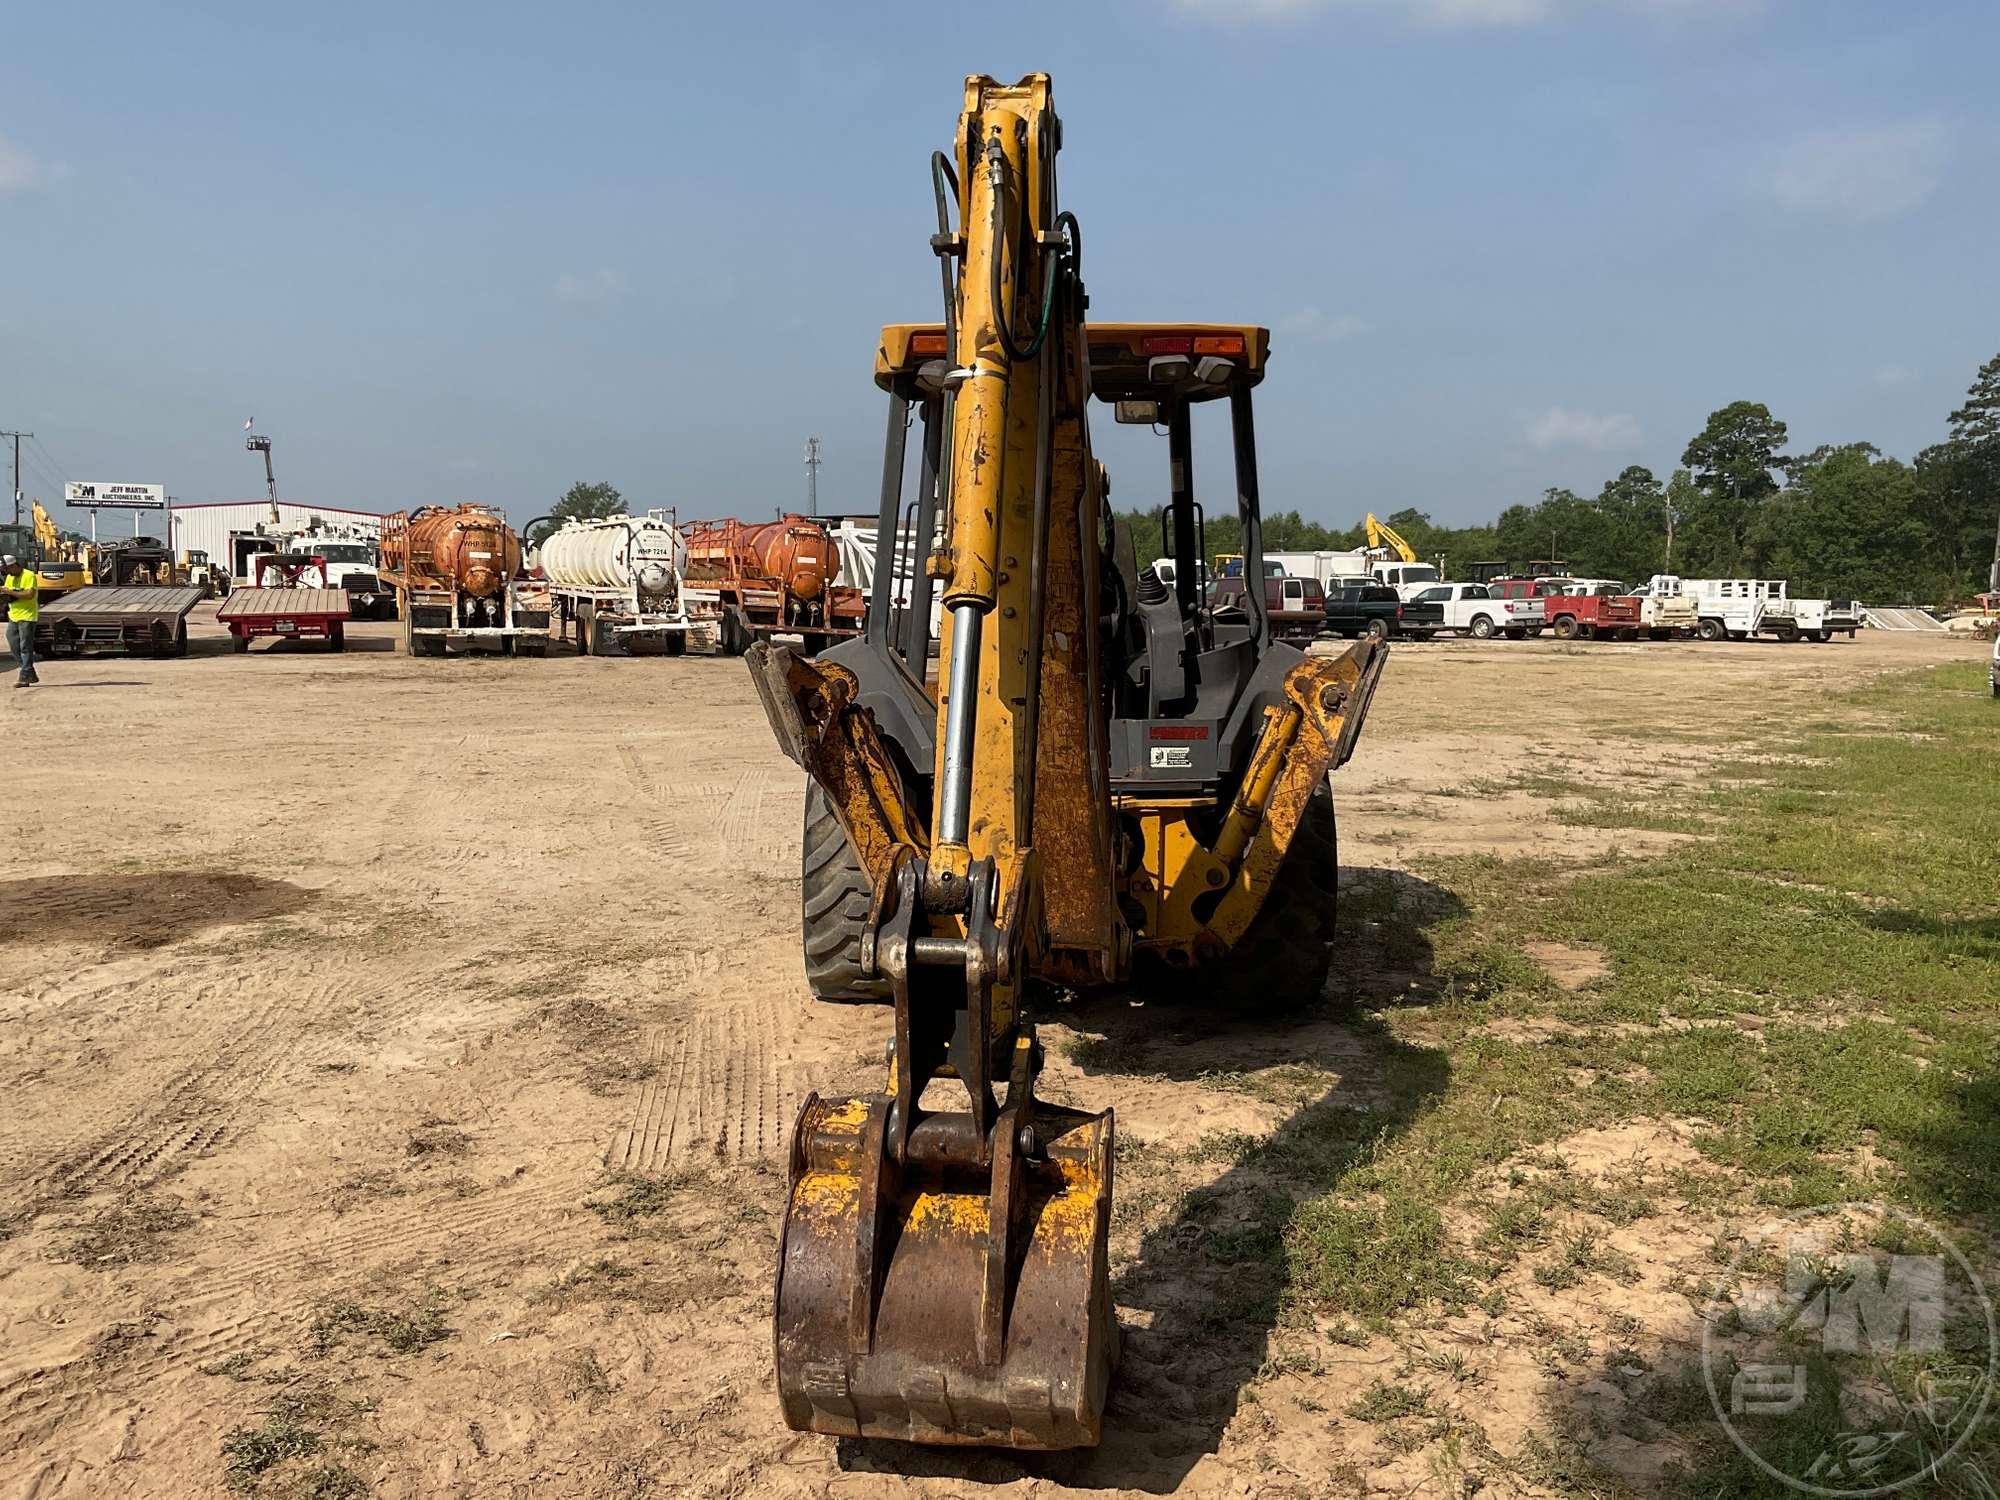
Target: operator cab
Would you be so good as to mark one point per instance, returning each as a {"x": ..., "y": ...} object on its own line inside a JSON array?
[{"x": 1181, "y": 654}]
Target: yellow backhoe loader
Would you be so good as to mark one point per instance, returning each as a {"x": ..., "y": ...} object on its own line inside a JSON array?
[{"x": 1108, "y": 780}]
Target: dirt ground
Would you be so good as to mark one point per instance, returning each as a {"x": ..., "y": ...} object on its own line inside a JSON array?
[{"x": 415, "y": 1040}]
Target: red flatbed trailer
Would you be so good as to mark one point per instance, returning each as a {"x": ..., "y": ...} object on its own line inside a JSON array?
[
  {"x": 290, "y": 611},
  {"x": 291, "y": 614}
]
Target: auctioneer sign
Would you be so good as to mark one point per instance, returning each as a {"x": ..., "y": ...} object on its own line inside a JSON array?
[{"x": 99, "y": 496}]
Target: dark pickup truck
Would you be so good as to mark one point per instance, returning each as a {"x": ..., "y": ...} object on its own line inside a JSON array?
[
  {"x": 1361, "y": 606},
  {"x": 1296, "y": 606}
]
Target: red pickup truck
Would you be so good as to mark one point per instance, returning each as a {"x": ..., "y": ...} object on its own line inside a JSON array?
[{"x": 1577, "y": 606}]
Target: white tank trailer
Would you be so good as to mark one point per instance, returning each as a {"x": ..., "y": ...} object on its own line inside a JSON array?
[{"x": 616, "y": 583}]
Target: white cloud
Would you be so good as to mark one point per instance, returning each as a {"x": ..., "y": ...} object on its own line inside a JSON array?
[
  {"x": 592, "y": 286},
  {"x": 1311, "y": 326},
  {"x": 1890, "y": 375},
  {"x": 1457, "y": 13},
  {"x": 22, "y": 171},
  {"x": 1559, "y": 427},
  {"x": 1861, "y": 175}
]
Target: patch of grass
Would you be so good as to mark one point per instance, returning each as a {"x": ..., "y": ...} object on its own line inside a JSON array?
[
  {"x": 255, "y": 1458},
  {"x": 327, "y": 1481},
  {"x": 581, "y": 1376},
  {"x": 637, "y": 1197},
  {"x": 249, "y": 1452},
  {"x": 235, "y": 1367},
  {"x": 1372, "y": 1262},
  {"x": 1812, "y": 981},
  {"x": 437, "y": 1138},
  {"x": 400, "y": 1330},
  {"x": 1383, "y": 1402},
  {"x": 1099, "y": 1054},
  {"x": 131, "y": 1231}
]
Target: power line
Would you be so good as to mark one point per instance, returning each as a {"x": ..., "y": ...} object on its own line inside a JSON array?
[
  {"x": 49, "y": 457},
  {"x": 42, "y": 476}
]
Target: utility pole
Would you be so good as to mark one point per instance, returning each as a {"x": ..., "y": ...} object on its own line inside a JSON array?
[
  {"x": 17, "y": 436},
  {"x": 813, "y": 462}
]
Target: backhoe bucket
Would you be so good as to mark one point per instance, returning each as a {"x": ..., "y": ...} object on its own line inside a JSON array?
[{"x": 940, "y": 1301}]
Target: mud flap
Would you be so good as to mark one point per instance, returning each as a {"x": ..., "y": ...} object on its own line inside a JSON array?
[{"x": 940, "y": 1304}]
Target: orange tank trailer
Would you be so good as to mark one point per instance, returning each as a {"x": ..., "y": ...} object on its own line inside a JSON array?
[
  {"x": 757, "y": 580},
  {"x": 468, "y": 548},
  {"x": 457, "y": 575}
]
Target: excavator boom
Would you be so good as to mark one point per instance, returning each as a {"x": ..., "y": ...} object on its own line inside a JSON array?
[{"x": 1382, "y": 535}]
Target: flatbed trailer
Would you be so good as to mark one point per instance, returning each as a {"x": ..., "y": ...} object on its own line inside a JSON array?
[
  {"x": 136, "y": 620},
  {"x": 602, "y": 619},
  {"x": 294, "y": 614}
]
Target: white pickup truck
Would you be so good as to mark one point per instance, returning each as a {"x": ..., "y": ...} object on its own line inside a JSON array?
[{"x": 1478, "y": 612}]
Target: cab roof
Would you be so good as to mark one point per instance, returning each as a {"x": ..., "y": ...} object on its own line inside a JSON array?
[{"x": 1119, "y": 353}]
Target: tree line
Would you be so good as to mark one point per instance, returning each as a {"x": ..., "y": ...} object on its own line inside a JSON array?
[{"x": 1842, "y": 521}]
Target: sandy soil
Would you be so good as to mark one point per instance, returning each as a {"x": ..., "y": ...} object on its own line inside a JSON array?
[{"x": 336, "y": 990}]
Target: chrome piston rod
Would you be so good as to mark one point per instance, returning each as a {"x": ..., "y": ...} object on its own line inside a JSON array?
[{"x": 955, "y": 798}]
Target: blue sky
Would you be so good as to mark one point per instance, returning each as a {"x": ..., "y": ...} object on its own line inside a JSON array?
[{"x": 457, "y": 251}]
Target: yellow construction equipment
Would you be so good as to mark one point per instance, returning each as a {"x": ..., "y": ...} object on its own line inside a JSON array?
[
  {"x": 1110, "y": 779},
  {"x": 61, "y": 568},
  {"x": 1382, "y": 535}
]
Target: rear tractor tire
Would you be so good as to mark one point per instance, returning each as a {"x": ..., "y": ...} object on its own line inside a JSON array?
[
  {"x": 834, "y": 896},
  {"x": 1281, "y": 963}
]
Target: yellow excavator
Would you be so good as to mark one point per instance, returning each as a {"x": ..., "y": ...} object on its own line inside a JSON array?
[
  {"x": 1384, "y": 536},
  {"x": 1108, "y": 780},
  {"x": 62, "y": 566}
]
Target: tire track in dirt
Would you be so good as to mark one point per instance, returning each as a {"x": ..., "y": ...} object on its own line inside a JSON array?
[
  {"x": 205, "y": 1308},
  {"x": 737, "y": 827},
  {"x": 717, "y": 1090},
  {"x": 189, "y": 1113},
  {"x": 665, "y": 839}
]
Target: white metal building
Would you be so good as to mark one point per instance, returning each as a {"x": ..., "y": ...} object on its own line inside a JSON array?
[{"x": 206, "y": 527}]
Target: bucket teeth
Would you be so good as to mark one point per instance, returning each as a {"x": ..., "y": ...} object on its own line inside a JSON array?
[{"x": 944, "y": 1305}]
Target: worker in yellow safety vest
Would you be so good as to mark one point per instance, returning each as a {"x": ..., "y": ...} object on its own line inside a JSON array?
[{"x": 23, "y": 609}]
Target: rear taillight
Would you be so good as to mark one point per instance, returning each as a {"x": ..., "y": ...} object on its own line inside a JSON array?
[{"x": 1399, "y": 611}]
